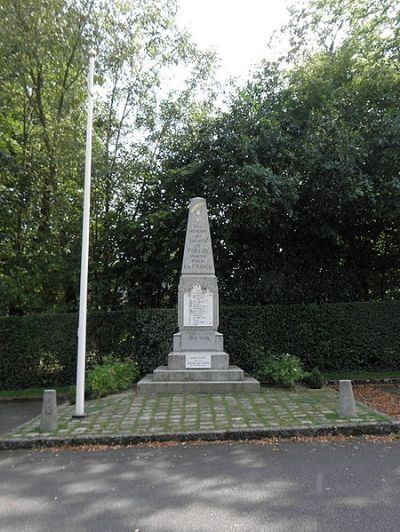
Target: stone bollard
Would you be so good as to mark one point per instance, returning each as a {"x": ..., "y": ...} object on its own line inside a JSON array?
[
  {"x": 49, "y": 419},
  {"x": 347, "y": 405}
]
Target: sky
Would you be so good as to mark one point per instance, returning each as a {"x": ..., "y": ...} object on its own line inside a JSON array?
[{"x": 239, "y": 30}]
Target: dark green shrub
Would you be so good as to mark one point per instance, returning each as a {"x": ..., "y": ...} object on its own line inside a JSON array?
[
  {"x": 40, "y": 350},
  {"x": 111, "y": 377},
  {"x": 314, "y": 379},
  {"x": 72, "y": 394},
  {"x": 283, "y": 370}
]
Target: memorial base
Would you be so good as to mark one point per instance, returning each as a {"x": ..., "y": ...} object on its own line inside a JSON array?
[
  {"x": 231, "y": 374},
  {"x": 218, "y": 377},
  {"x": 148, "y": 386}
]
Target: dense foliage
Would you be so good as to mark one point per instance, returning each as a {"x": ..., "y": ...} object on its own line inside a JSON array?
[
  {"x": 300, "y": 169},
  {"x": 314, "y": 379},
  {"x": 301, "y": 173},
  {"x": 282, "y": 369},
  {"x": 45, "y": 47},
  {"x": 41, "y": 349},
  {"x": 112, "y": 376}
]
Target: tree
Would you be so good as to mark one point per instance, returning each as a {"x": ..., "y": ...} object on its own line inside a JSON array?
[
  {"x": 46, "y": 45},
  {"x": 43, "y": 45},
  {"x": 136, "y": 116},
  {"x": 300, "y": 168},
  {"x": 301, "y": 173}
]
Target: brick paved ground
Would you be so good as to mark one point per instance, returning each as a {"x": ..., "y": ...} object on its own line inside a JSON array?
[{"x": 132, "y": 414}]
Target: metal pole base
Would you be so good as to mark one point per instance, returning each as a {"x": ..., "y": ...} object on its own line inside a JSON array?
[{"x": 78, "y": 416}]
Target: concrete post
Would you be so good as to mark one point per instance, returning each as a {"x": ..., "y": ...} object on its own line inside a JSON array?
[
  {"x": 347, "y": 405},
  {"x": 49, "y": 419}
]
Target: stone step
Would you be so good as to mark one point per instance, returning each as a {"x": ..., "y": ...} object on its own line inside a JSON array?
[
  {"x": 163, "y": 373},
  {"x": 148, "y": 385}
]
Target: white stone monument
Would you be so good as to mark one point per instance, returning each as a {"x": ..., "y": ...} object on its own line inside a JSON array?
[{"x": 198, "y": 363}]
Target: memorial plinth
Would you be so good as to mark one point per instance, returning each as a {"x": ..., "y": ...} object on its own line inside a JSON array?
[{"x": 198, "y": 363}]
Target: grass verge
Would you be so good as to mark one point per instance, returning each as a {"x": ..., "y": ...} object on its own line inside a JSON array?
[
  {"x": 361, "y": 375},
  {"x": 33, "y": 393}
]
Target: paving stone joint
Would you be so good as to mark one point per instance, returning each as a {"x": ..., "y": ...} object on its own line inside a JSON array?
[{"x": 131, "y": 417}]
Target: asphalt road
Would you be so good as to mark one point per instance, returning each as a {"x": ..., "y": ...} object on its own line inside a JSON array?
[
  {"x": 14, "y": 413},
  {"x": 350, "y": 486}
]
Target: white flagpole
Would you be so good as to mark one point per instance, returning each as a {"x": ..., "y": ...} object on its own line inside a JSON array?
[{"x": 80, "y": 370}]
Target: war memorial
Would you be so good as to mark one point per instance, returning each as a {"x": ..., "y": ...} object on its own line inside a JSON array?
[{"x": 198, "y": 362}]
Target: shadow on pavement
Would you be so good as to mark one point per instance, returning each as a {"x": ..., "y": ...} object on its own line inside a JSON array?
[
  {"x": 352, "y": 486},
  {"x": 14, "y": 413}
]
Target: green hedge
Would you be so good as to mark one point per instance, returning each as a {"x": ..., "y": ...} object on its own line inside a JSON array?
[{"x": 41, "y": 349}]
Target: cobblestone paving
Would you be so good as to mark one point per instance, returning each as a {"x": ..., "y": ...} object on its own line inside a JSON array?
[{"x": 132, "y": 414}]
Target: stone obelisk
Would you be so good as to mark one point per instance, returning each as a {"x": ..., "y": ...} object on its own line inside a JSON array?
[{"x": 198, "y": 362}]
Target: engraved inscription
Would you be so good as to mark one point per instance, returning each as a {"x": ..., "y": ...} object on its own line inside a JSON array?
[
  {"x": 198, "y": 341},
  {"x": 198, "y": 256},
  {"x": 197, "y": 361},
  {"x": 199, "y": 338},
  {"x": 198, "y": 250},
  {"x": 198, "y": 307}
]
